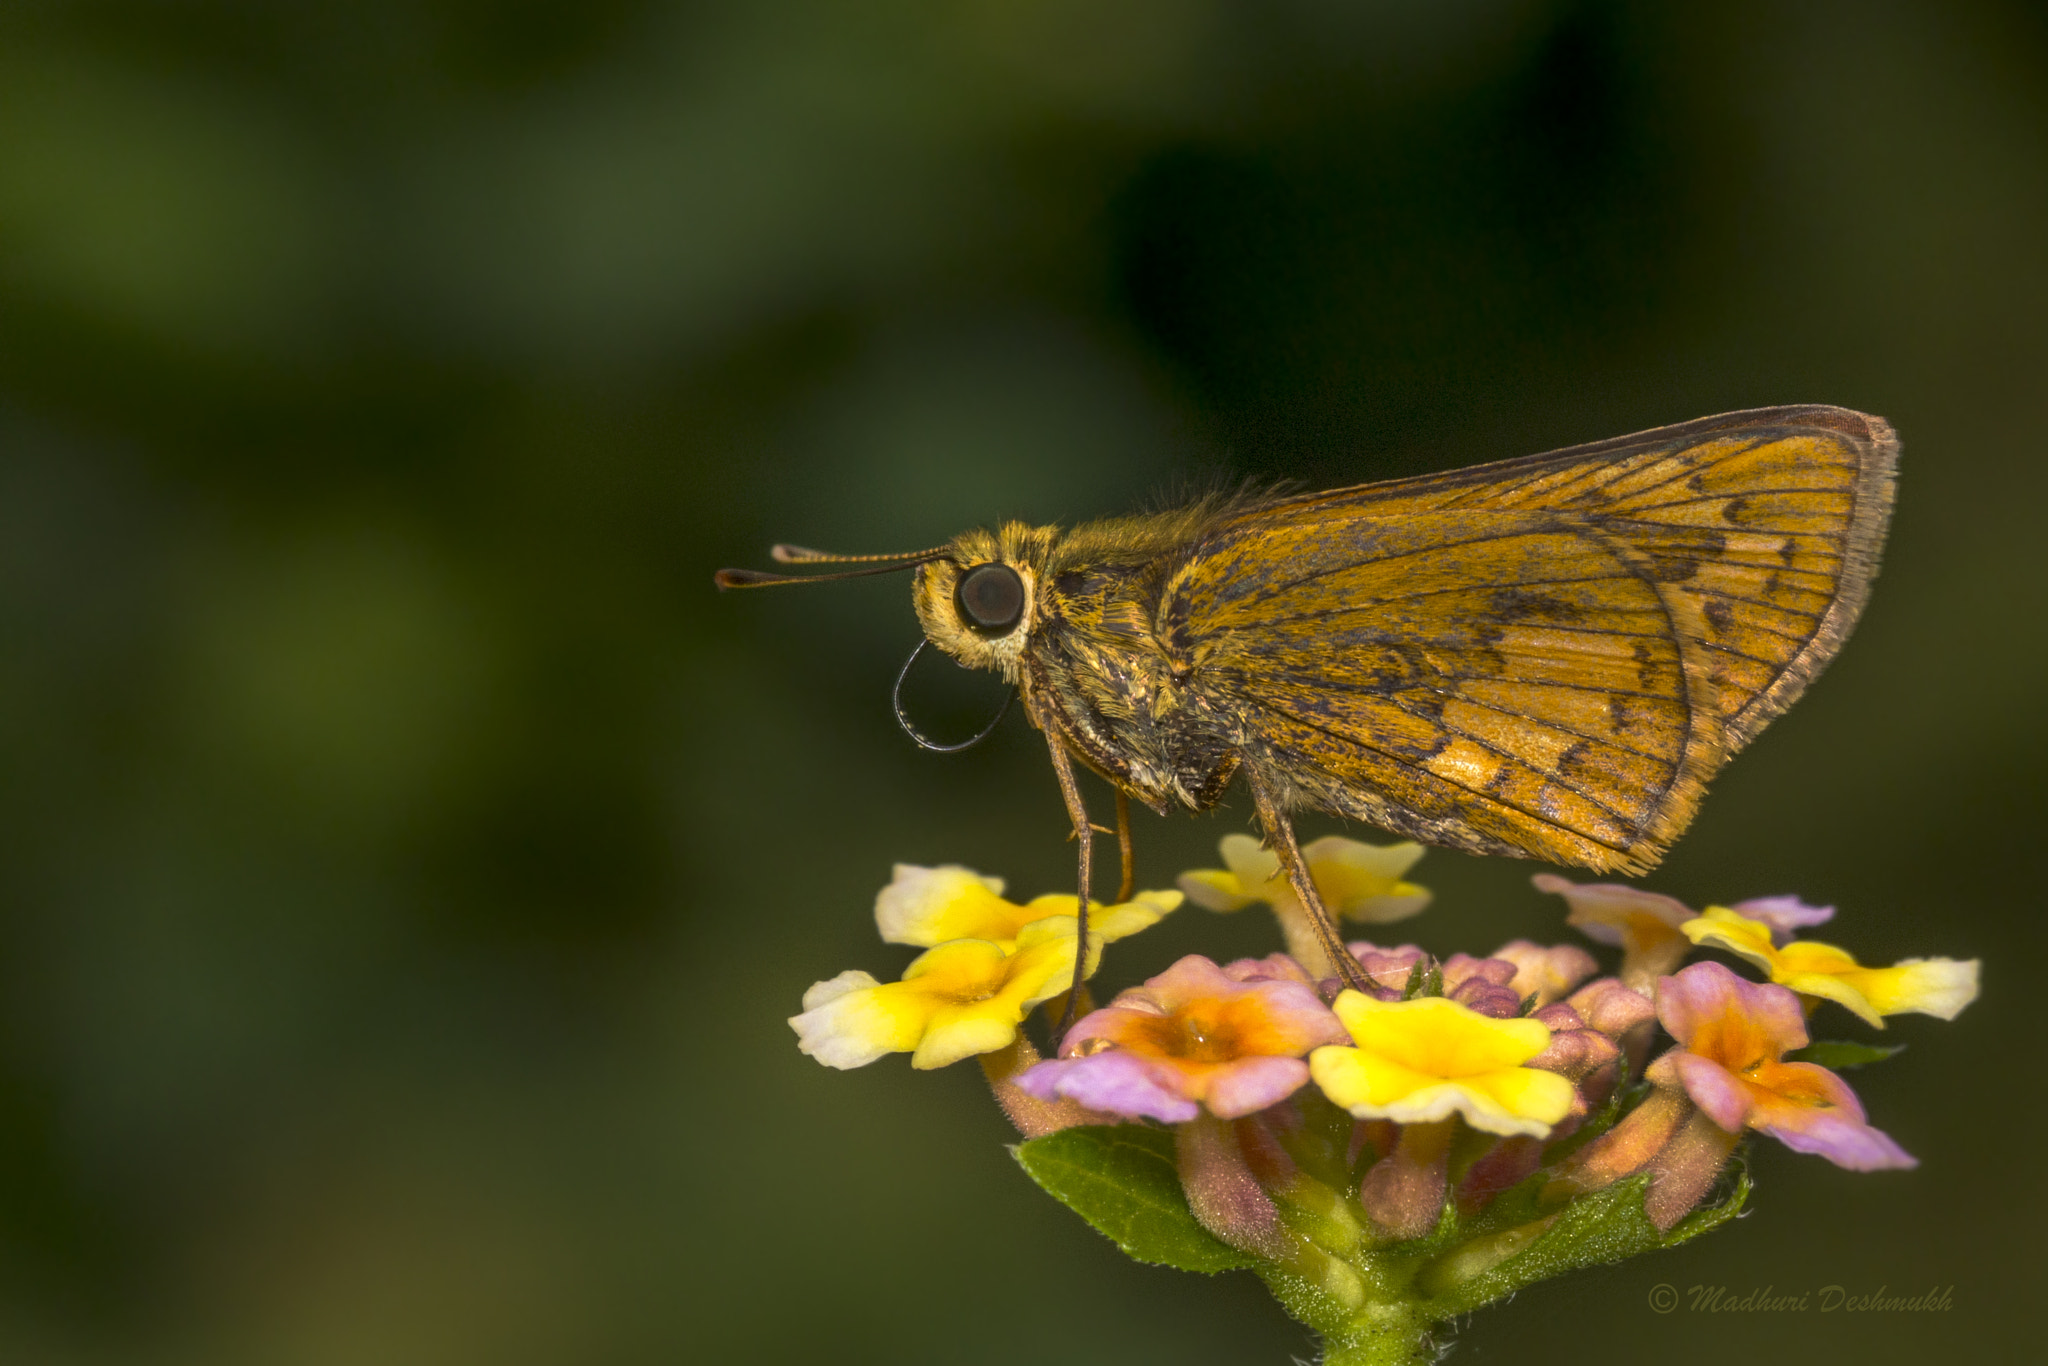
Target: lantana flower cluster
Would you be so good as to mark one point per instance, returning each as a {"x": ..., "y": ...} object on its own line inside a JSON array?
[{"x": 1390, "y": 1156}]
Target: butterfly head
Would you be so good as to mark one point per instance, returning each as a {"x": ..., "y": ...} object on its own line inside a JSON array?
[{"x": 978, "y": 601}]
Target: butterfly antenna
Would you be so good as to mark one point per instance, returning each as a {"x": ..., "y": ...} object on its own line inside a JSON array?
[
  {"x": 796, "y": 554},
  {"x": 789, "y": 554}
]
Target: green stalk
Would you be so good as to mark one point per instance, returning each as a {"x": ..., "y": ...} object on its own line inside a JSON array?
[{"x": 1394, "y": 1334}]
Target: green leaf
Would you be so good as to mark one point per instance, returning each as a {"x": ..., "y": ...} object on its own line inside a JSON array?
[
  {"x": 1605, "y": 1226},
  {"x": 1122, "y": 1179},
  {"x": 1840, "y": 1053}
]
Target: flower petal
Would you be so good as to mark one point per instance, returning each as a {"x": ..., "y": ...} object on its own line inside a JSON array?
[
  {"x": 1125, "y": 919},
  {"x": 951, "y": 1035},
  {"x": 1196, "y": 1010},
  {"x": 1274, "y": 967},
  {"x": 1811, "y": 1110},
  {"x": 1357, "y": 880},
  {"x": 1437, "y": 1037},
  {"x": 1784, "y": 914},
  {"x": 1531, "y": 1100},
  {"x": 1362, "y": 881},
  {"x": 1388, "y": 969},
  {"x": 844, "y": 1025},
  {"x": 1546, "y": 973},
  {"x": 1423, "y": 1060},
  {"x": 1503, "y": 1102},
  {"x": 1732, "y": 1035},
  {"x": 1460, "y": 968},
  {"x": 1934, "y": 986},
  {"x": 1250, "y": 1085},
  {"x": 1613, "y": 1009},
  {"x": 1931, "y": 986},
  {"x": 1115, "y": 1081},
  {"x": 1613, "y": 913},
  {"x": 833, "y": 988},
  {"x": 1713, "y": 1012},
  {"x": 956, "y": 999},
  {"x": 1721, "y": 928},
  {"x": 1720, "y": 1093},
  {"x": 974, "y": 996},
  {"x": 1842, "y": 1141},
  {"x": 1940, "y": 987},
  {"x": 1644, "y": 924},
  {"x": 1257, "y": 868},
  {"x": 1197, "y": 1034},
  {"x": 1834, "y": 987},
  {"x": 930, "y": 906},
  {"x": 1214, "y": 889},
  {"x": 1576, "y": 1052}
]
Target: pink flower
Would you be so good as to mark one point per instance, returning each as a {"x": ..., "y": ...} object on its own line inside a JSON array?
[
  {"x": 1578, "y": 1052},
  {"x": 1386, "y": 970},
  {"x": 1625, "y": 1016},
  {"x": 1546, "y": 973},
  {"x": 1190, "y": 1037},
  {"x": 1644, "y": 924},
  {"x": 1784, "y": 914},
  {"x": 1481, "y": 984},
  {"x": 1732, "y": 1036},
  {"x": 1608, "y": 1006},
  {"x": 1275, "y": 967},
  {"x": 1583, "y": 1056}
]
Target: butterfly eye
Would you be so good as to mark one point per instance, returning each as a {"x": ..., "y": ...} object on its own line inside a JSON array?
[{"x": 991, "y": 597}]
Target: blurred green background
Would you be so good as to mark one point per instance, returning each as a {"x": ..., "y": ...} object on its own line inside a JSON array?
[{"x": 407, "y": 862}]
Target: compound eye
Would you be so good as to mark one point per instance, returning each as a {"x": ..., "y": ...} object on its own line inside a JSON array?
[{"x": 990, "y": 597}]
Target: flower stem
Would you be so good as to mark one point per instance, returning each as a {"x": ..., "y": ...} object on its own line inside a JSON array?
[{"x": 1382, "y": 1335}]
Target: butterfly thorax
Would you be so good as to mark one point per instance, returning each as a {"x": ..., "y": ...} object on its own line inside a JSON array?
[{"x": 1089, "y": 654}]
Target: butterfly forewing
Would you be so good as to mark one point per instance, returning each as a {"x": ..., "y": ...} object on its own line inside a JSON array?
[{"x": 1547, "y": 655}]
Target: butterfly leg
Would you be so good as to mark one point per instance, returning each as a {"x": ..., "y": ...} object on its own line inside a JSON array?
[
  {"x": 1084, "y": 835},
  {"x": 1280, "y": 836},
  {"x": 1123, "y": 847}
]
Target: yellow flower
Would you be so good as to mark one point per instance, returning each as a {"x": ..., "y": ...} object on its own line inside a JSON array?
[
  {"x": 929, "y": 906},
  {"x": 1424, "y": 1060},
  {"x": 1932, "y": 986},
  {"x": 1358, "y": 881},
  {"x": 956, "y": 1000}
]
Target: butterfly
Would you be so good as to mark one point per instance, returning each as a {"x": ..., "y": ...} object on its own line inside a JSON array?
[{"x": 1545, "y": 657}]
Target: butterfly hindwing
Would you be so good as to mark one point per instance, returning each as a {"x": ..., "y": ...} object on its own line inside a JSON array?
[{"x": 1547, "y": 655}]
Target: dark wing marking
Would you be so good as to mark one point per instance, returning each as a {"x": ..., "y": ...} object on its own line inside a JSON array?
[{"x": 1547, "y": 655}]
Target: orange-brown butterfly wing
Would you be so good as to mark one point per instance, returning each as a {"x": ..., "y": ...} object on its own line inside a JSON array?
[{"x": 1546, "y": 656}]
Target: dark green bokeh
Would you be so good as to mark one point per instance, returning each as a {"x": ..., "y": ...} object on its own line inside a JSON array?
[{"x": 407, "y": 862}]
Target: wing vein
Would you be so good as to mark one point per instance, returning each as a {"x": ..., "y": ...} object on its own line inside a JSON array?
[
  {"x": 1379, "y": 690},
  {"x": 1691, "y": 470},
  {"x": 1620, "y": 576},
  {"x": 1536, "y": 816}
]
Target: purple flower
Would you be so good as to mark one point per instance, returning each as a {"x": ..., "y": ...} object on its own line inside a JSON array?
[
  {"x": 1191, "y": 1036},
  {"x": 1546, "y": 973},
  {"x": 1784, "y": 914},
  {"x": 1386, "y": 970},
  {"x": 1732, "y": 1036},
  {"x": 1644, "y": 924},
  {"x": 1481, "y": 984}
]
